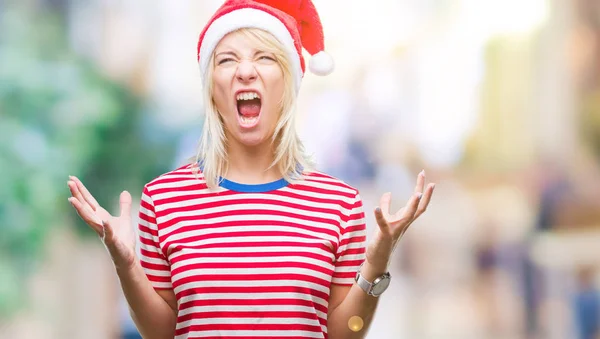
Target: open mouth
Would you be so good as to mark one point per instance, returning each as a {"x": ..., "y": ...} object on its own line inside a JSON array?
[{"x": 248, "y": 105}]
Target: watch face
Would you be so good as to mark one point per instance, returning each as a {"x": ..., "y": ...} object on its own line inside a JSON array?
[{"x": 380, "y": 286}]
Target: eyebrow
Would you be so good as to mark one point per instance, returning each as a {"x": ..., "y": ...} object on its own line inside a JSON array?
[
  {"x": 227, "y": 53},
  {"x": 235, "y": 55}
]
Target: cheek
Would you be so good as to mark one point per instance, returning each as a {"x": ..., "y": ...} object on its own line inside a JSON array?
[
  {"x": 221, "y": 101},
  {"x": 220, "y": 92},
  {"x": 275, "y": 86}
]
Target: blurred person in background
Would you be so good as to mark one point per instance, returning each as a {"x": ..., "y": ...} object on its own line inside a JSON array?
[
  {"x": 248, "y": 239},
  {"x": 586, "y": 304}
]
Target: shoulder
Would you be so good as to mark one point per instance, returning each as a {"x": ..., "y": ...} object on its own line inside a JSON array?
[
  {"x": 185, "y": 175},
  {"x": 329, "y": 184},
  {"x": 329, "y": 189}
]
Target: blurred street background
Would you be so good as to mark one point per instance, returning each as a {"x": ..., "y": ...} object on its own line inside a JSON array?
[{"x": 498, "y": 100}]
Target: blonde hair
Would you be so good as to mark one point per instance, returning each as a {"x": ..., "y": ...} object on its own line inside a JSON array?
[{"x": 290, "y": 157}]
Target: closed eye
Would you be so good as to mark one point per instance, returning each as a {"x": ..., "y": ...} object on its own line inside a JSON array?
[
  {"x": 222, "y": 61},
  {"x": 266, "y": 57}
]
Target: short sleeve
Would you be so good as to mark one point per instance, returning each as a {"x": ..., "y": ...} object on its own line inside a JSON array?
[
  {"x": 152, "y": 259},
  {"x": 351, "y": 250}
]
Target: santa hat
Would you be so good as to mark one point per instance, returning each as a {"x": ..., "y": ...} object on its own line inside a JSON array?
[{"x": 294, "y": 23}]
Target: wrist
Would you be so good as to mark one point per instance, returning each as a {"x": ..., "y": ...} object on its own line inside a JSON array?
[
  {"x": 373, "y": 279},
  {"x": 126, "y": 266},
  {"x": 370, "y": 272}
]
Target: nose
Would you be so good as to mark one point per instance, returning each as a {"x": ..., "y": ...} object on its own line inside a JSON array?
[{"x": 246, "y": 72}]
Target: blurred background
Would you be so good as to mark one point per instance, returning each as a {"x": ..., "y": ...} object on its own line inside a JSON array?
[{"x": 498, "y": 100}]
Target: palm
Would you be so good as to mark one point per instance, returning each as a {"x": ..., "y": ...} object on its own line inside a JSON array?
[
  {"x": 123, "y": 234},
  {"x": 122, "y": 238},
  {"x": 122, "y": 225},
  {"x": 116, "y": 232},
  {"x": 395, "y": 221},
  {"x": 123, "y": 229},
  {"x": 393, "y": 226}
]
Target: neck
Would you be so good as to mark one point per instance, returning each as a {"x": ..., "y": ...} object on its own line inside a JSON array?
[{"x": 250, "y": 165}]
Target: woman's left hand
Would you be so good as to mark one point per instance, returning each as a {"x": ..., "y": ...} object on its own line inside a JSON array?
[{"x": 393, "y": 226}]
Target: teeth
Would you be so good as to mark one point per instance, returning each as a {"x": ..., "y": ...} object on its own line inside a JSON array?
[
  {"x": 247, "y": 96},
  {"x": 248, "y": 120}
]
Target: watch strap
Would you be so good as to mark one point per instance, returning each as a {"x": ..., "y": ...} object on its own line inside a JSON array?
[{"x": 366, "y": 285}]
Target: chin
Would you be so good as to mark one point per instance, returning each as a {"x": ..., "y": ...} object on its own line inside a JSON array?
[{"x": 253, "y": 139}]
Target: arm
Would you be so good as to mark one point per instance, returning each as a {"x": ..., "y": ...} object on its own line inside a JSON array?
[
  {"x": 153, "y": 312},
  {"x": 349, "y": 301},
  {"x": 346, "y": 301},
  {"x": 346, "y": 298}
]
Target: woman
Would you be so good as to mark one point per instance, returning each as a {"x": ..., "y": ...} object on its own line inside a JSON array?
[{"x": 248, "y": 241}]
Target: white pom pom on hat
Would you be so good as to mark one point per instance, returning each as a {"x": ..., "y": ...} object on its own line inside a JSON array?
[
  {"x": 321, "y": 64},
  {"x": 295, "y": 23}
]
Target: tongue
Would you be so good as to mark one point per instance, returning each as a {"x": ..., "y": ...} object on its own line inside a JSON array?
[{"x": 249, "y": 107}]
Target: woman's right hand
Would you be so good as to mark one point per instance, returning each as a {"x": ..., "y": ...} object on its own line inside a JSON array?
[{"x": 116, "y": 232}]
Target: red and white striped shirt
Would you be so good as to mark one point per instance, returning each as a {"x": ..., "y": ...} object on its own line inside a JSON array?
[{"x": 251, "y": 261}]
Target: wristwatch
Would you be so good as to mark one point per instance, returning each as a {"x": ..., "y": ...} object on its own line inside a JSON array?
[{"x": 375, "y": 288}]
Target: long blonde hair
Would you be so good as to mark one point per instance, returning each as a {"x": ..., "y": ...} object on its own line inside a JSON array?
[{"x": 290, "y": 157}]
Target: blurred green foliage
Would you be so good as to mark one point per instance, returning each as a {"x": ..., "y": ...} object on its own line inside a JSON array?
[{"x": 59, "y": 116}]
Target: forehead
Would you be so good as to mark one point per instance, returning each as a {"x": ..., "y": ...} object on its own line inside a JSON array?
[{"x": 239, "y": 42}]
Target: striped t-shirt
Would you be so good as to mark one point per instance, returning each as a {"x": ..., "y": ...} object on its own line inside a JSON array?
[{"x": 250, "y": 261}]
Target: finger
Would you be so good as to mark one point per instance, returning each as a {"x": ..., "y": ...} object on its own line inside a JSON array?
[
  {"x": 381, "y": 222},
  {"x": 384, "y": 203},
  {"x": 125, "y": 202},
  {"x": 107, "y": 231},
  {"x": 420, "y": 182},
  {"x": 86, "y": 214},
  {"x": 411, "y": 207},
  {"x": 425, "y": 200},
  {"x": 86, "y": 194},
  {"x": 76, "y": 193}
]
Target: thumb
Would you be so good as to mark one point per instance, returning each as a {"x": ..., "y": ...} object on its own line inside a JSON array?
[
  {"x": 385, "y": 202},
  {"x": 381, "y": 222},
  {"x": 125, "y": 202}
]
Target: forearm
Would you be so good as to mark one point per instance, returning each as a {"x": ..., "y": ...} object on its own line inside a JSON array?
[
  {"x": 152, "y": 315},
  {"x": 357, "y": 303}
]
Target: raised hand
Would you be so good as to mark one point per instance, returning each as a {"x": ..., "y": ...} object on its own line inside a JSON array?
[
  {"x": 116, "y": 232},
  {"x": 393, "y": 226}
]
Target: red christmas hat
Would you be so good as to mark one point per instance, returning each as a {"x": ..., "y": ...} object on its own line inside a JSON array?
[{"x": 295, "y": 23}]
